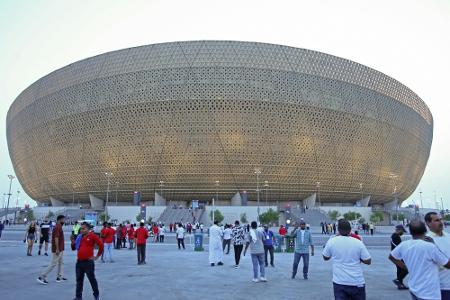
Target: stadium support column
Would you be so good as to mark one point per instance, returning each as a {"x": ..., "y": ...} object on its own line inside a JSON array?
[
  {"x": 310, "y": 202},
  {"x": 96, "y": 203},
  {"x": 364, "y": 202},
  {"x": 160, "y": 200},
  {"x": 236, "y": 200},
  {"x": 56, "y": 202}
]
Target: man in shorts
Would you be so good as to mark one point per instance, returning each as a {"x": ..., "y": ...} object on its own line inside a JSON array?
[{"x": 44, "y": 236}]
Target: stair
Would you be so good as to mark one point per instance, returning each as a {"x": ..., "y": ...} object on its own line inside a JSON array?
[
  {"x": 311, "y": 216},
  {"x": 183, "y": 215}
]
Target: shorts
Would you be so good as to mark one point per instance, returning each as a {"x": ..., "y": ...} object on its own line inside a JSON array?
[
  {"x": 30, "y": 237},
  {"x": 44, "y": 238}
]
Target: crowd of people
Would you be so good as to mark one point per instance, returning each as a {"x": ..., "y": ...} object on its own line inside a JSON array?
[{"x": 424, "y": 259}]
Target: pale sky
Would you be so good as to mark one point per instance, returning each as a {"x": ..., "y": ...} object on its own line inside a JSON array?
[{"x": 406, "y": 39}]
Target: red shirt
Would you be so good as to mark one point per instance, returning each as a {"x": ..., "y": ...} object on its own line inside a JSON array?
[
  {"x": 141, "y": 235},
  {"x": 58, "y": 231},
  {"x": 282, "y": 231},
  {"x": 131, "y": 233},
  {"x": 355, "y": 236},
  {"x": 124, "y": 231},
  {"x": 108, "y": 235},
  {"x": 155, "y": 230},
  {"x": 104, "y": 233},
  {"x": 86, "y": 249}
]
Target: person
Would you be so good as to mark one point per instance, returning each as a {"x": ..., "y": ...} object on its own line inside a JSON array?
[
  {"x": 155, "y": 231},
  {"x": 131, "y": 236},
  {"x": 238, "y": 237},
  {"x": 422, "y": 259},
  {"x": 303, "y": 241},
  {"x": 201, "y": 227},
  {"x": 180, "y": 236},
  {"x": 124, "y": 236},
  {"x": 268, "y": 245},
  {"x": 119, "y": 236},
  {"x": 57, "y": 253},
  {"x": 255, "y": 242},
  {"x": 355, "y": 235},
  {"x": 372, "y": 228},
  {"x": 30, "y": 237},
  {"x": 161, "y": 232},
  {"x": 442, "y": 241},
  {"x": 85, "y": 264},
  {"x": 227, "y": 238},
  {"x": 141, "y": 235},
  {"x": 170, "y": 227},
  {"x": 347, "y": 253},
  {"x": 44, "y": 236},
  {"x": 215, "y": 244},
  {"x": 322, "y": 225},
  {"x": 2, "y": 226},
  {"x": 75, "y": 230},
  {"x": 107, "y": 233},
  {"x": 282, "y": 231},
  {"x": 395, "y": 241}
]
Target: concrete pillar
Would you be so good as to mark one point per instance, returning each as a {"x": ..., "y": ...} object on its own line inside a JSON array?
[
  {"x": 159, "y": 200},
  {"x": 391, "y": 206},
  {"x": 96, "y": 203},
  {"x": 310, "y": 201},
  {"x": 56, "y": 202},
  {"x": 364, "y": 202},
  {"x": 236, "y": 200}
]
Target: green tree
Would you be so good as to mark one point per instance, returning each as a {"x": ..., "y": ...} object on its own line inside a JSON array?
[
  {"x": 401, "y": 217},
  {"x": 30, "y": 215},
  {"x": 334, "y": 214},
  {"x": 447, "y": 217},
  {"x": 138, "y": 217},
  {"x": 244, "y": 218},
  {"x": 376, "y": 217},
  {"x": 149, "y": 220},
  {"x": 217, "y": 216},
  {"x": 103, "y": 217},
  {"x": 269, "y": 217},
  {"x": 352, "y": 215},
  {"x": 50, "y": 214}
]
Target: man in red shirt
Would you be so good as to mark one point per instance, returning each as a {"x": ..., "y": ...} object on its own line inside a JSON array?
[
  {"x": 85, "y": 243},
  {"x": 107, "y": 235},
  {"x": 124, "y": 236},
  {"x": 131, "y": 236},
  {"x": 141, "y": 235}
]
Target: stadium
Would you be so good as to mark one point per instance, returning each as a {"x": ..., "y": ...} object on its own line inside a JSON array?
[{"x": 233, "y": 120}]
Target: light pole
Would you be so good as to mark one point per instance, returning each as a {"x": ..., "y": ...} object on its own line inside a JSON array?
[
  {"x": 361, "y": 190},
  {"x": 318, "y": 191},
  {"x": 266, "y": 187},
  {"x": 420, "y": 195},
  {"x": 442, "y": 204},
  {"x": 117, "y": 190},
  {"x": 213, "y": 200},
  {"x": 17, "y": 205},
  {"x": 11, "y": 177},
  {"x": 257, "y": 172},
  {"x": 396, "y": 201},
  {"x": 108, "y": 176},
  {"x": 161, "y": 184}
]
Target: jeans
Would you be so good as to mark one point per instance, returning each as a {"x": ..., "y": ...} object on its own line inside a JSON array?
[
  {"x": 297, "y": 257},
  {"x": 348, "y": 292},
  {"x": 226, "y": 243},
  {"x": 161, "y": 238},
  {"x": 141, "y": 253},
  {"x": 57, "y": 260},
  {"x": 107, "y": 251},
  {"x": 237, "y": 253},
  {"x": 180, "y": 243},
  {"x": 401, "y": 274},
  {"x": 445, "y": 294},
  {"x": 258, "y": 259},
  {"x": 85, "y": 267},
  {"x": 269, "y": 249},
  {"x": 131, "y": 242}
]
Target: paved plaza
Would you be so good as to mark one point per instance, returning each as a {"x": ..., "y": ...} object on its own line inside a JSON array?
[{"x": 173, "y": 274}]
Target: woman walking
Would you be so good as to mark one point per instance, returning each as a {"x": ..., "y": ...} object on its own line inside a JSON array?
[{"x": 30, "y": 237}]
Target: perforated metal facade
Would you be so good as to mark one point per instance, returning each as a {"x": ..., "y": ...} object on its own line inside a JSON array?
[{"x": 191, "y": 113}]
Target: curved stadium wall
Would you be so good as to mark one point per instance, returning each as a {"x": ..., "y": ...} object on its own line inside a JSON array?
[{"x": 193, "y": 113}]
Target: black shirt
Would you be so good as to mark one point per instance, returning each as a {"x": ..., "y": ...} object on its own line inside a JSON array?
[
  {"x": 395, "y": 240},
  {"x": 45, "y": 229}
]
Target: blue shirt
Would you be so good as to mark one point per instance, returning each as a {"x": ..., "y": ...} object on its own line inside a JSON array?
[{"x": 268, "y": 238}]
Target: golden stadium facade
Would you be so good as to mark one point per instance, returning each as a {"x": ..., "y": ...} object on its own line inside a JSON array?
[{"x": 177, "y": 117}]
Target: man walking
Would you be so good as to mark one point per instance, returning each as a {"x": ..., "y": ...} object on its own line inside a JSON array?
[
  {"x": 131, "y": 236},
  {"x": 395, "y": 241},
  {"x": 255, "y": 241},
  {"x": 227, "y": 238},
  {"x": 422, "y": 259},
  {"x": 107, "y": 234},
  {"x": 2, "y": 226},
  {"x": 141, "y": 235},
  {"x": 238, "y": 242},
  {"x": 442, "y": 241},
  {"x": 44, "y": 236},
  {"x": 303, "y": 242},
  {"x": 215, "y": 245},
  {"x": 268, "y": 245},
  {"x": 348, "y": 253},
  {"x": 57, "y": 253},
  {"x": 85, "y": 243},
  {"x": 180, "y": 236}
]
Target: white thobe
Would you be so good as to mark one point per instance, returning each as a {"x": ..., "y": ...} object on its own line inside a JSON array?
[{"x": 215, "y": 244}]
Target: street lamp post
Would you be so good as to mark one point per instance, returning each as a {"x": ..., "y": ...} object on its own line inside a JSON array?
[
  {"x": 108, "y": 176},
  {"x": 318, "y": 191},
  {"x": 420, "y": 195},
  {"x": 161, "y": 184},
  {"x": 117, "y": 190},
  {"x": 213, "y": 200},
  {"x": 266, "y": 187},
  {"x": 361, "y": 190},
  {"x": 257, "y": 172},
  {"x": 11, "y": 177},
  {"x": 17, "y": 205}
]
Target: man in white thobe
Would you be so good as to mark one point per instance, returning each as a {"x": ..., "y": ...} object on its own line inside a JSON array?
[{"x": 215, "y": 245}]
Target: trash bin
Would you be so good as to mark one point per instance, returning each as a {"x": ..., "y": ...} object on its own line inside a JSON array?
[
  {"x": 290, "y": 244},
  {"x": 198, "y": 242},
  {"x": 278, "y": 243}
]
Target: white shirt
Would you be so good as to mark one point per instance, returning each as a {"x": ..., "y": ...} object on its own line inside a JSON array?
[
  {"x": 302, "y": 235},
  {"x": 180, "y": 232},
  {"x": 227, "y": 234},
  {"x": 347, "y": 253},
  {"x": 443, "y": 243},
  {"x": 422, "y": 260}
]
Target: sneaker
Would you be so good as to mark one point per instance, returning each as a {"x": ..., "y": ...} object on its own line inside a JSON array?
[
  {"x": 220, "y": 263},
  {"x": 42, "y": 280},
  {"x": 255, "y": 280},
  {"x": 45, "y": 254},
  {"x": 272, "y": 265},
  {"x": 39, "y": 252},
  {"x": 401, "y": 286},
  {"x": 263, "y": 279},
  {"x": 212, "y": 264},
  {"x": 236, "y": 266},
  {"x": 61, "y": 279},
  {"x": 305, "y": 276}
]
